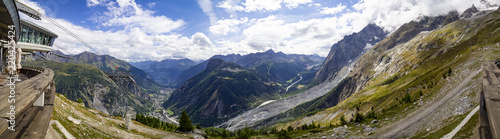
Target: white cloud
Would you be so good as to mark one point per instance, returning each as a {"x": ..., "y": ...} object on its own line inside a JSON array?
[
  {"x": 223, "y": 27},
  {"x": 262, "y": 5},
  {"x": 129, "y": 14},
  {"x": 151, "y": 4},
  {"x": 133, "y": 42},
  {"x": 259, "y": 5},
  {"x": 206, "y": 6},
  {"x": 294, "y": 3},
  {"x": 393, "y": 13},
  {"x": 91, "y": 3},
  {"x": 333, "y": 10},
  {"x": 230, "y": 6},
  {"x": 202, "y": 40},
  {"x": 314, "y": 4},
  {"x": 313, "y": 36}
]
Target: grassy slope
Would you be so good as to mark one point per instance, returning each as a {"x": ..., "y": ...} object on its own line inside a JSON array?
[
  {"x": 448, "y": 51},
  {"x": 97, "y": 125}
]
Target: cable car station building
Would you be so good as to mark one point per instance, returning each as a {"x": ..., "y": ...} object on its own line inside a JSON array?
[{"x": 29, "y": 115}]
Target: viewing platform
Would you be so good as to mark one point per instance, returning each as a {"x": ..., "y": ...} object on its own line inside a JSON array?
[
  {"x": 34, "y": 101},
  {"x": 489, "y": 120}
]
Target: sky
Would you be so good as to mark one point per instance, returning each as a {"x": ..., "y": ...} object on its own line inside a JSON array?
[{"x": 154, "y": 30}]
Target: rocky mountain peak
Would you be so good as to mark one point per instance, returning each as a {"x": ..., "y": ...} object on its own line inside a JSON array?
[
  {"x": 270, "y": 51},
  {"x": 348, "y": 49},
  {"x": 469, "y": 12}
]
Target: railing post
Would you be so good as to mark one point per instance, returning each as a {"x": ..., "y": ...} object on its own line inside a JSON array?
[{"x": 40, "y": 100}]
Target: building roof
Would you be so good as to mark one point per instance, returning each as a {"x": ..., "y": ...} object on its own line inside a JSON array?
[
  {"x": 39, "y": 28},
  {"x": 8, "y": 16}
]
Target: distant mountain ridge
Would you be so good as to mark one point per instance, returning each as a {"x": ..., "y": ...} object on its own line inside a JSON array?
[{"x": 254, "y": 60}]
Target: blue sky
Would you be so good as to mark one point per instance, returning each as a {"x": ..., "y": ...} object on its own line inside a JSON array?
[{"x": 138, "y": 30}]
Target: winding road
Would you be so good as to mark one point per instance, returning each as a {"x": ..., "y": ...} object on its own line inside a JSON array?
[{"x": 293, "y": 83}]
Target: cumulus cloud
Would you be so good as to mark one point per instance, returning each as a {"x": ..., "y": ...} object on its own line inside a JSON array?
[
  {"x": 333, "y": 10},
  {"x": 129, "y": 14},
  {"x": 202, "y": 40},
  {"x": 313, "y": 36},
  {"x": 132, "y": 43}
]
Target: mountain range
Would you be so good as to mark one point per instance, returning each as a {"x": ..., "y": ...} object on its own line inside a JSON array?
[{"x": 418, "y": 82}]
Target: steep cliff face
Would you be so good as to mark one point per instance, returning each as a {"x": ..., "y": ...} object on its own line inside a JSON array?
[{"x": 348, "y": 50}]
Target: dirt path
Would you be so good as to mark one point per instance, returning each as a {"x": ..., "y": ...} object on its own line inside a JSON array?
[
  {"x": 394, "y": 130},
  {"x": 455, "y": 131},
  {"x": 54, "y": 134}
]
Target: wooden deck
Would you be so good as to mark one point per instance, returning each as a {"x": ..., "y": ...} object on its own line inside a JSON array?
[
  {"x": 31, "y": 121},
  {"x": 489, "y": 125}
]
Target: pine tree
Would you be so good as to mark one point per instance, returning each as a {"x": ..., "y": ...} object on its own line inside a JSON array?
[
  {"x": 185, "y": 123},
  {"x": 283, "y": 134},
  {"x": 198, "y": 126},
  {"x": 225, "y": 134}
]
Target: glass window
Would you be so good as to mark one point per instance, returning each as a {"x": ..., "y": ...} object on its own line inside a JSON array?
[
  {"x": 46, "y": 40},
  {"x": 30, "y": 35},
  {"x": 40, "y": 38},
  {"x": 35, "y": 36},
  {"x": 24, "y": 32},
  {"x": 50, "y": 41}
]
